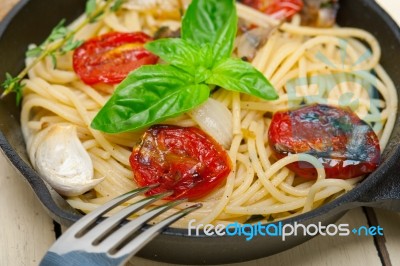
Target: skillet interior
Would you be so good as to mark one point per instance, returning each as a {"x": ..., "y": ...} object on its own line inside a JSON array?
[{"x": 33, "y": 23}]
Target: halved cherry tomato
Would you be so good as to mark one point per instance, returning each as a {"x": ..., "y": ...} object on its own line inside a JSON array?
[
  {"x": 280, "y": 9},
  {"x": 110, "y": 57},
  {"x": 345, "y": 145},
  {"x": 184, "y": 160}
]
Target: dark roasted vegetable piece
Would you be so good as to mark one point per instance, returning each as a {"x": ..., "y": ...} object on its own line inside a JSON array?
[
  {"x": 345, "y": 145},
  {"x": 184, "y": 160},
  {"x": 319, "y": 13},
  {"x": 167, "y": 32}
]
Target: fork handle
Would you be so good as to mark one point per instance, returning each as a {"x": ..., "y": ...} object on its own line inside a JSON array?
[{"x": 77, "y": 258}]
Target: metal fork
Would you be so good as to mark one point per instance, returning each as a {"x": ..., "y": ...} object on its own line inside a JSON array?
[{"x": 94, "y": 240}]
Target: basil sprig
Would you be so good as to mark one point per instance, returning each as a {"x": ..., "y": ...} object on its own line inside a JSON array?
[{"x": 197, "y": 62}]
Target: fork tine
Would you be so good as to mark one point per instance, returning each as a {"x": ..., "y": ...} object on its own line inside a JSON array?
[
  {"x": 120, "y": 235},
  {"x": 89, "y": 219},
  {"x": 108, "y": 242},
  {"x": 98, "y": 232},
  {"x": 142, "y": 239}
]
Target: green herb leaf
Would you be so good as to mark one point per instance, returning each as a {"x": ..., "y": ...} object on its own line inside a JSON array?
[
  {"x": 18, "y": 91},
  {"x": 34, "y": 52},
  {"x": 62, "y": 33},
  {"x": 54, "y": 60},
  {"x": 58, "y": 32},
  {"x": 71, "y": 45},
  {"x": 177, "y": 52},
  {"x": 95, "y": 17},
  {"x": 237, "y": 75},
  {"x": 13, "y": 84},
  {"x": 213, "y": 23},
  {"x": 90, "y": 7},
  {"x": 149, "y": 95},
  {"x": 9, "y": 81},
  {"x": 117, "y": 4},
  {"x": 201, "y": 58}
]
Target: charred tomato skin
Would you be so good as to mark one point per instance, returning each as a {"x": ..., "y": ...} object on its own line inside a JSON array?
[
  {"x": 346, "y": 146},
  {"x": 184, "y": 160},
  {"x": 110, "y": 57}
]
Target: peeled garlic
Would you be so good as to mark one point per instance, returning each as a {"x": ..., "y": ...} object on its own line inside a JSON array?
[
  {"x": 63, "y": 162},
  {"x": 216, "y": 120}
]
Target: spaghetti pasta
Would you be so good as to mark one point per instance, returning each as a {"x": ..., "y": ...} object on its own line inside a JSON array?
[{"x": 305, "y": 65}]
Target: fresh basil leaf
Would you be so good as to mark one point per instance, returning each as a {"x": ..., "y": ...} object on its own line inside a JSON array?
[
  {"x": 202, "y": 74},
  {"x": 206, "y": 56},
  {"x": 237, "y": 75},
  {"x": 177, "y": 52},
  {"x": 211, "y": 22},
  {"x": 149, "y": 95}
]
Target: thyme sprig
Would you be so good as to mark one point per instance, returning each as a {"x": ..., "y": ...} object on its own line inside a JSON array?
[{"x": 60, "y": 41}]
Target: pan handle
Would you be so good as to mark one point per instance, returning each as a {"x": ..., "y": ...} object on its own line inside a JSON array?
[{"x": 384, "y": 192}]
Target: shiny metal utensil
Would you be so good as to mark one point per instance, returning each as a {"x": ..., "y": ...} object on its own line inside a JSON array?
[{"x": 96, "y": 241}]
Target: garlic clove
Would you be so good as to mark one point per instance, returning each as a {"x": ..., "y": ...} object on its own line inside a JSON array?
[
  {"x": 216, "y": 120},
  {"x": 63, "y": 162}
]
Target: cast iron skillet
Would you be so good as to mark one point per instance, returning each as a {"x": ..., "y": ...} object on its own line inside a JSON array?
[{"x": 31, "y": 21}]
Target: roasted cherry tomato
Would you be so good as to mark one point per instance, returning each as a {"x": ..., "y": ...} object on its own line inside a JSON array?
[
  {"x": 184, "y": 160},
  {"x": 280, "y": 9},
  {"x": 345, "y": 145},
  {"x": 110, "y": 57}
]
